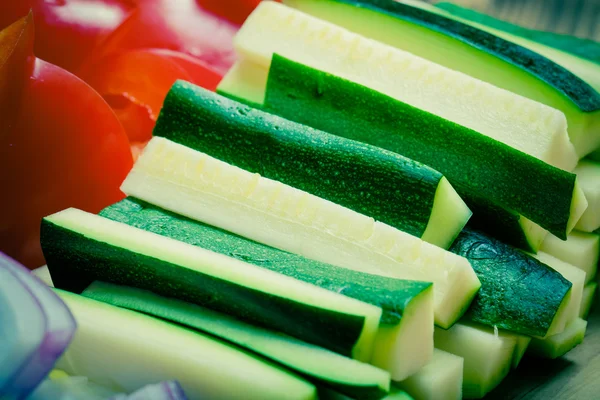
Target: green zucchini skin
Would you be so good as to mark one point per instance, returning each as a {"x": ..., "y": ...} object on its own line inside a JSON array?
[
  {"x": 569, "y": 84},
  {"x": 233, "y": 331},
  {"x": 372, "y": 181},
  {"x": 583, "y": 48},
  {"x": 75, "y": 261},
  {"x": 392, "y": 295},
  {"x": 518, "y": 293},
  {"x": 490, "y": 176}
]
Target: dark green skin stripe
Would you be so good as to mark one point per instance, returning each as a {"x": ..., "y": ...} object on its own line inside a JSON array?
[
  {"x": 476, "y": 165},
  {"x": 579, "y": 47},
  {"x": 157, "y": 306},
  {"x": 392, "y": 295},
  {"x": 563, "y": 80},
  {"x": 75, "y": 261},
  {"x": 518, "y": 292},
  {"x": 363, "y": 178}
]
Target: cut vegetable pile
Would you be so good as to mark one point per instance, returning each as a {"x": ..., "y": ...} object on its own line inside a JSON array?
[{"x": 382, "y": 200}]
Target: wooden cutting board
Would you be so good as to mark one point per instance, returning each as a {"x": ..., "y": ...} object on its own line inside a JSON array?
[{"x": 576, "y": 376}]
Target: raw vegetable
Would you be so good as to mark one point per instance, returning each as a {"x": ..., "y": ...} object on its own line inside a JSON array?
[
  {"x": 395, "y": 394},
  {"x": 587, "y": 300},
  {"x": 82, "y": 247},
  {"x": 580, "y": 249},
  {"x": 393, "y": 189},
  {"x": 169, "y": 390},
  {"x": 588, "y": 175},
  {"x": 440, "y": 379},
  {"x": 529, "y": 126},
  {"x": 60, "y": 386},
  {"x": 57, "y": 330},
  {"x": 155, "y": 350},
  {"x": 46, "y": 162},
  {"x": 472, "y": 49},
  {"x": 200, "y": 187},
  {"x": 558, "y": 345},
  {"x": 319, "y": 366},
  {"x": 21, "y": 337},
  {"x": 405, "y": 337},
  {"x": 487, "y": 355},
  {"x": 574, "y": 275},
  {"x": 471, "y": 161},
  {"x": 518, "y": 292}
]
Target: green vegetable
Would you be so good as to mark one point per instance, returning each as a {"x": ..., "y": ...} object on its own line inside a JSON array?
[
  {"x": 518, "y": 293},
  {"x": 405, "y": 338},
  {"x": 386, "y": 186},
  {"x": 587, "y": 300},
  {"x": 124, "y": 350},
  {"x": 580, "y": 249},
  {"x": 503, "y": 60},
  {"x": 319, "y": 366},
  {"x": 558, "y": 345},
  {"x": 588, "y": 175},
  {"x": 80, "y": 247},
  {"x": 526, "y": 125},
  {"x": 470, "y": 161},
  {"x": 190, "y": 183},
  {"x": 441, "y": 378}
]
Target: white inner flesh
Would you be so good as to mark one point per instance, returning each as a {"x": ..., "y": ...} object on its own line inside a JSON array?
[
  {"x": 440, "y": 379},
  {"x": 589, "y": 292},
  {"x": 521, "y": 346},
  {"x": 588, "y": 174},
  {"x": 405, "y": 348},
  {"x": 574, "y": 275},
  {"x": 558, "y": 345},
  {"x": 200, "y": 187},
  {"x": 125, "y": 350},
  {"x": 526, "y": 125},
  {"x": 220, "y": 266},
  {"x": 579, "y": 205},
  {"x": 535, "y": 234},
  {"x": 487, "y": 355},
  {"x": 580, "y": 249}
]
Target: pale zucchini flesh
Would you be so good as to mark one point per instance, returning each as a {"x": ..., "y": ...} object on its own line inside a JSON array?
[
  {"x": 574, "y": 275},
  {"x": 440, "y": 379},
  {"x": 588, "y": 174},
  {"x": 587, "y": 301},
  {"x": 558, "y": 345},
  {"x": 318, "y": 365},
  {"x": 200, "y": 187},
  {"x": 487, "y": 355},
  {"x": 580, "y": 249},
  {"x": 81, "y": 247},
  {"x": 124, "y": 350},
  {"x": 535, "y": 129},
  {"x": 529, "y": 69}
]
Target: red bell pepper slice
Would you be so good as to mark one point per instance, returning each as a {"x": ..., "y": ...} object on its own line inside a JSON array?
[{"x": 64, "y": 147}]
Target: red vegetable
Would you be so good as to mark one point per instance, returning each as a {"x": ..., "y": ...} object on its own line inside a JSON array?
[
  {"x": 136, "y": 82},
  {"x": 235, "y": 11},
  {"x": 60, "y": 145}
]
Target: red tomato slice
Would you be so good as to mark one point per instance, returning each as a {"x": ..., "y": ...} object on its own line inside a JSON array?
[
  {"x": 235, "y": 11},
  {"x": 65, "y": 149},
  {"x": 136, "y": 82}
]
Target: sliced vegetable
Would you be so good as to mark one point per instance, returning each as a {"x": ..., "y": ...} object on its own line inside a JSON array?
[
  {"x": 58, "y": 329},
  {"x": 528, "y": 126},
  {"x": 580, "y": 249},
  {"x": 60, "y": 386},
  {"x": 440, "y": 379},
  {"x": 197, "y": 186},
  {"x": 169, "y": 390},
  {"x": 588, "y": 175},
  {"x": 395, "y": 394},
  {"x": 574, "y": 275},
  {"x": 487, "y": 355},
  {"x": 472, "y": 49},
  {"x": 82, "y": 247},
  {"x": 470, "y": 161},
  {"x": 320, "y": 366},
  {"x": 518, "y": 293},
  {"x": 558, "y": 345},
  {"x": 405, "y": 338},
  {"x": 46, "y": 162},
  {"x": 522, "y": 343},
  {"x": 587, "y": 300},
  {"x": 156, "y": 350},
  {"x": 22, "y": 328},
  {"x": 393, "y": 189}
]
